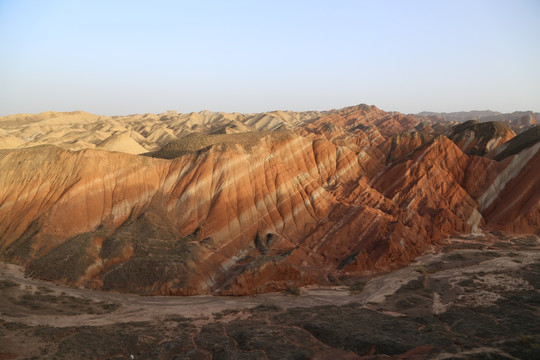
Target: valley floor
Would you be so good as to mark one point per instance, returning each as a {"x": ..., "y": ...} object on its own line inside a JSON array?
[{"x": 473, "y": 297}]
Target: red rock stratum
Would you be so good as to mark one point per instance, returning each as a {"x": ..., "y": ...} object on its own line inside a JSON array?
[{"x": 237, "y": 204}]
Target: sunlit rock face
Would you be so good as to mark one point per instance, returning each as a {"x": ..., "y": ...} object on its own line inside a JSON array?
[{"x": 238, "y": 204}]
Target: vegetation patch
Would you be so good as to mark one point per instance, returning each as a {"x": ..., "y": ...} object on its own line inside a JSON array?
[
  {"x": 109, "y": 341},
  {"x": 526, "y": 242},
  {"x": 357, "y": 286},
  {"x": 226, "y": 313},
  {"x": 456, "y": 257},
  {"x": 44, "y": 290},
  {"x": 176, "y": 318},
  {"x": 7, "y": 284},
  {"x": 67, "y": 262},
  {"x": 276, "y": 341},
  {"x": 341, "y": 327},
  {"x": 199, "y": 142},
  {"x": 292, "y": 290},
  {"x": 266, "y": 307},
  {"x": 47, "y": 304}
]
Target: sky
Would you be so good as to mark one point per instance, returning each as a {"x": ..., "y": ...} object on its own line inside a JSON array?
[{"x": 125, "y": 57}]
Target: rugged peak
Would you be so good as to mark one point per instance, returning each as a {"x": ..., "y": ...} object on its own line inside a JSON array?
[
  {"x": 476, "y": 138},
  {"x": 517, "y": 144},
  {"x": 400, "y": 146},
  {"x": 464, "y": 126},
  {"x": 364, "y": 108}
]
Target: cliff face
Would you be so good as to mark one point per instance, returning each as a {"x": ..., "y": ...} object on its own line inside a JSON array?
[{"x": 341, "y": 193}]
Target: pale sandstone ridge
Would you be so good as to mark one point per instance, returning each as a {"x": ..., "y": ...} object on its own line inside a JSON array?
[
  {"x": 121, "y": 143},
  {"x": 313, "y": 197},
  {"x": 78, "y": 130}
]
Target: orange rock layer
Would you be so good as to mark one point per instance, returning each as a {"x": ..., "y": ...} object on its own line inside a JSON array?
[{"x": 234, "y": 220}]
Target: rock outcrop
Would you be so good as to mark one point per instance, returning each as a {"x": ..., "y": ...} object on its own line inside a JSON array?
[
  {"x": 517, "y": 144},
  {"x": 476, "y": 138}
]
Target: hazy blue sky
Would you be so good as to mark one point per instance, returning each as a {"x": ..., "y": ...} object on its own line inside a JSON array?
[{"x": 122, "y": 57}]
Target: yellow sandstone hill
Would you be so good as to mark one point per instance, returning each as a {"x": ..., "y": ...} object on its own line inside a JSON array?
[{"x": 121, "y": 143}]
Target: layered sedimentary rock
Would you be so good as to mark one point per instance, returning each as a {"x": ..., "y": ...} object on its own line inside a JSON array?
[
  {"x": 476, "y": 138},
  {"x": 517, "y": 144},
  {"x": 339, "y": 193}
]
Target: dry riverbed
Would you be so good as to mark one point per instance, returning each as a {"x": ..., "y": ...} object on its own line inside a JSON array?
[{"x": 472, "y": 297}]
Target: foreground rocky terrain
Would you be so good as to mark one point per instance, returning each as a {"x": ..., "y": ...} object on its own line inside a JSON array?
[
  {"x": 237, "y": 204},
  {"x": 474, "y": 297}
]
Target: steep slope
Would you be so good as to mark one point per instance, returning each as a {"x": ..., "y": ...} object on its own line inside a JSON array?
[
  {"x": 476, "y": 138},
  {"x": 399, "y": 146},
  {"x": 226, "y": 220},
  {"x": 428, "y": 182},
  {"x": 518, "y": 143},
  {"x": 512, "y": 201},
  {"x": 94, "y": 200}
]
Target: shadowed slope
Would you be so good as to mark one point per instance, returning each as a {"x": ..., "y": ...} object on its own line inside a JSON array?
[
  {"x": 476, "y": 138},
  {"x": 518, "y": 143}
]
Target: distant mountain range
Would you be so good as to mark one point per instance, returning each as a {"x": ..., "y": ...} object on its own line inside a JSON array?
[{"x": 517, "y": 120}]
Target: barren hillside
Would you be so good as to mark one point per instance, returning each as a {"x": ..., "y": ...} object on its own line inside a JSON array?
[{"x": 237, "y": 204}]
